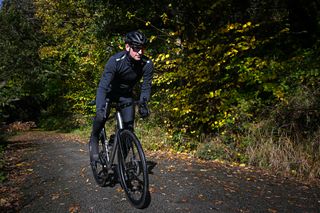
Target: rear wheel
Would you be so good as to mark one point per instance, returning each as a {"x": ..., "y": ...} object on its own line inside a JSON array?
[
  {"x": 99, "y": 169},
  {"x": 133, "y": 170}
]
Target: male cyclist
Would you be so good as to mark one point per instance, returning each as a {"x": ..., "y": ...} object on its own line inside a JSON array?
[{"x": 121, "y": 73}]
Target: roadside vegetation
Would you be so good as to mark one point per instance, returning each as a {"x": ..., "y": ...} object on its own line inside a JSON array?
[{"x": 233, "y": 82}]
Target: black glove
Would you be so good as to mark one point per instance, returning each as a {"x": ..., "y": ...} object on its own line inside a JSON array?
[{"x": 144, "y": 110}]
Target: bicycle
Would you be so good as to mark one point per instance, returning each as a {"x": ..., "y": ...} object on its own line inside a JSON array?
[{"x": 122, "y": 157}]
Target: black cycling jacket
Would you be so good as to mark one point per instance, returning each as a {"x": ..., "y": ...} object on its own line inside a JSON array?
[{"x": 122, "y": 73}]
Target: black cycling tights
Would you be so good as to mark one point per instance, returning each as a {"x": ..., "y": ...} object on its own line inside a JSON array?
[{"x": 103, "y": 112}]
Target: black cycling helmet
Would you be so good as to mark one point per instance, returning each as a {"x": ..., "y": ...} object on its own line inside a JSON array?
[{"x": 135, "y": 38}]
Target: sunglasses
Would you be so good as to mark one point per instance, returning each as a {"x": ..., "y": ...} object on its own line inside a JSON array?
[{"x": 137, "y": 48}]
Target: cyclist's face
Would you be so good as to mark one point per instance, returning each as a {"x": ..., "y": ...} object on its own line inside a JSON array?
[{"x": 135, "y": 51}]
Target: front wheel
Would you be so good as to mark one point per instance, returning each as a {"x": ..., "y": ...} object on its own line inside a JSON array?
[{"x": 133, "y": 170}]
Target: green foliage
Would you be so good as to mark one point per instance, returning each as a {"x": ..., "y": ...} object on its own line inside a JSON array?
[
  {"x": 20, "y": 69},
  {"x": 221, "y": 66},
  {"x": 211, "y": 79},
  {"x": 71, "y": 54},
  {"x": 63, "y": 123},
  {"x": 150, "y": 134},
  {"x": 214, "y": 150},
  {"x": 299, "y": 117}
]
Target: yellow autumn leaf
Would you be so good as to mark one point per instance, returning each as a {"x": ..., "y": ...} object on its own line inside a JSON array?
[{"x": 152, "y": 38}]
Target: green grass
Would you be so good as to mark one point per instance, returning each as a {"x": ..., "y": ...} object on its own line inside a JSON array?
[{"x": 260, "y": 146}]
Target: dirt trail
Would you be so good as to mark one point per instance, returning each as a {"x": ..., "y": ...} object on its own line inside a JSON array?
[{"x": 56, "y": 177}]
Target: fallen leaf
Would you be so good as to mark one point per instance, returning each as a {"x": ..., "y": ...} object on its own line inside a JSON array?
[
  {"x": 201, "y": 196},
  {"x": 4, "y": 202},
  {"x": 54, "y": 196},
  {"x": 184, "y": 200},
  {"x": 119, "y": 189},
  {"x": 218, "y": 202},
  {"x": 74, "y": 209},
  {"x": 152, "y": 189}
]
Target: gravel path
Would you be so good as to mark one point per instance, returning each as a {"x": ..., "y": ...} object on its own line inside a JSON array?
[{"x": 59, "y": 179}]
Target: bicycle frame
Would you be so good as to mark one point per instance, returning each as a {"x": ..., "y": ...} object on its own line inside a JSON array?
[{"x": 110, "y": 159}]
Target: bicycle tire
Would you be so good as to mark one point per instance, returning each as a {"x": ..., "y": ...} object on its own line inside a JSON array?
[
  {"x": 133, "y": 171},
  {"x": 100, "y": 174}
]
